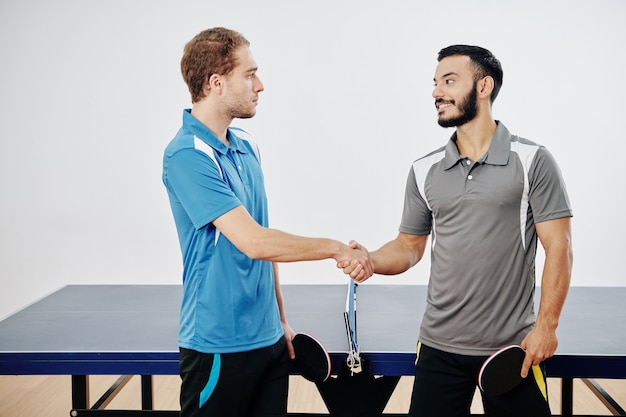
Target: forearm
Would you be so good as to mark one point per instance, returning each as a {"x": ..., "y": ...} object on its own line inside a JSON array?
[
  {"x": 398, "y": 256},
  {"x": 288, "y": 331},
  {"x": 555, "y": 283},
  {"x": 259, "y": 242},
  {"x": 279, "y": 295},
  {"x": 277, "y": 246},
  {"x": 555, "y": 236}
]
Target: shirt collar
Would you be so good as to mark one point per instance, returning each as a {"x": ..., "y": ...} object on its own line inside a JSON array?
[
  {"x": 497, "y": 154},
  {"x": 196, "y": 127}
]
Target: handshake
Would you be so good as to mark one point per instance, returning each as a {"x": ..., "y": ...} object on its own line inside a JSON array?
[{"x": 356, "y": 262}]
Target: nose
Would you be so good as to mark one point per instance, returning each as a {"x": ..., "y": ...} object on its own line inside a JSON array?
[
  {"x": 437, "y": 93},
  {"x": 258, "y": 85}
]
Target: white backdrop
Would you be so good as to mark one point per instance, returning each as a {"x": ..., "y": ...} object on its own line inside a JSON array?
[{"x": 90, "y": 94}]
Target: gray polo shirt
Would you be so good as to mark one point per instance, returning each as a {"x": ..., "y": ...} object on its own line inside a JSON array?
[{"x": 482, "y": 217}]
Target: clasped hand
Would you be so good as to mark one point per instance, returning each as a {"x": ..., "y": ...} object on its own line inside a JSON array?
[{"x": 357, "y": 263}]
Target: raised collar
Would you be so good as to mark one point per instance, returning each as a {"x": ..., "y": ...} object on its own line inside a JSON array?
[
  {"x": 198, "y": 129},
  {"x": 497, "y": 154}
]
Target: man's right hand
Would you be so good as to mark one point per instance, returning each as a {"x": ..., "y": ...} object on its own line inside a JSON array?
[{"x": 357, "y": 263}]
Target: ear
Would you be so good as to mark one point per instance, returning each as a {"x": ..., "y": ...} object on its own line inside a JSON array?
[
  {"x": 214, "y": 83},
  {"x": 485, "y": 87}
]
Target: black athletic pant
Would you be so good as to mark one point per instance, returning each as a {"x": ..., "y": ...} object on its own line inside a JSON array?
[
  {"x": 445, "y": 384},
  {"x": 244, "y": 384}
]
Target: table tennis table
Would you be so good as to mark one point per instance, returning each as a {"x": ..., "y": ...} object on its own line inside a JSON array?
[{"x": 127, "y": 330}]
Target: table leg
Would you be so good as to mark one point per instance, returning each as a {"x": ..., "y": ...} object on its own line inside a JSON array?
[
  {"x": 146, "y": 392},
  {"x": 567, "y": 396},
  {"x": 80, "y": 391}
]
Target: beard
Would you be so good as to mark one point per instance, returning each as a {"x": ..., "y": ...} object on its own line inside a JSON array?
[
  {"x": 238, "y": 106},
  {"x": 242, "y": 111},
  {"x": 468, "y": 108}
]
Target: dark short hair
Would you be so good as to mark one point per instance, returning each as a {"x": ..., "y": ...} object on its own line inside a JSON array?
[
  {"x": 484, "y": 62},
  {"x": 209, "y": 52}
]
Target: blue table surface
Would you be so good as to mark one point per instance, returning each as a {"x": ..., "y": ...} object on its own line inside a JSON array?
[{"x": 143, "y": 320}]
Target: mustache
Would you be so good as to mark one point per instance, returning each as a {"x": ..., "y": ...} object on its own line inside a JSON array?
[{"x": 440, "y": 100}]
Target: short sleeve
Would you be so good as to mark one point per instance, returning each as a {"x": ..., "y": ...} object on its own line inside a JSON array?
[
  {"x": 195, "y": 182},
  {"x": 416, "y": 216},
  {"x": 547, "y": 192}
]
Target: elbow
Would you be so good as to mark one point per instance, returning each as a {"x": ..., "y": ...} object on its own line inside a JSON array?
[
  {"x": 250, "y": 249},
  {"x": 569, "y": 253},
  {"x": 255, "y": 252},
  {"x": 255, "y": 248}
]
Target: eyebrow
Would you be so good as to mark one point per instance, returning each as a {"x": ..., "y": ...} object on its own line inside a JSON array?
[{"x": 447, "y": 75}]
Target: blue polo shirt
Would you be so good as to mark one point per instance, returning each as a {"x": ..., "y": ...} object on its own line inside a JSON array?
[{"x": 229, "y": 301}]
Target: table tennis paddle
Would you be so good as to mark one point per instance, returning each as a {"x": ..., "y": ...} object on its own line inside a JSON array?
[
  {"x": 501, "y": 371},
  {"x": 312, "y": 360}
]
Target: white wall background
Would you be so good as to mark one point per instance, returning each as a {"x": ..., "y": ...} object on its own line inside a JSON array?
[{"x": 90, "y": 94}]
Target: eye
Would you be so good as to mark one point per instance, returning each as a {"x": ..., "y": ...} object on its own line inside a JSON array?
[{"x": 449, "y": 81}]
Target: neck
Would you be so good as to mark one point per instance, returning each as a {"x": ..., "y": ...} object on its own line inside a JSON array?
[
  {"x": 474, "y": 137},
  {"x": 212, "y": 119}
]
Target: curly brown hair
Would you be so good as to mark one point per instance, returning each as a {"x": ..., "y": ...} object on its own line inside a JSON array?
[{"x": 209, "y": 52}]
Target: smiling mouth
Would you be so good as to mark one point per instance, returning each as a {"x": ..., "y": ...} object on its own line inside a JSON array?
[{"x": 441, "y": 104}]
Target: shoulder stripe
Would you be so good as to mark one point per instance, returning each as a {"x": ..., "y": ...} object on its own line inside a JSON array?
[
  {"x": 526, "y": 153},
  {"x": 421, "y": 168},
  {"x": 201, "y": 146}
]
